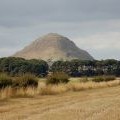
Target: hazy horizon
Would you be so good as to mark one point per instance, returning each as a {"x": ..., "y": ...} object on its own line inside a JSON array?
[{"x": 93, "y": 25}]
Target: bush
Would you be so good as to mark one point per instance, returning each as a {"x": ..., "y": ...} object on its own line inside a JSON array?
[
  {"x": 57, "y": 77},
  {"x": 103, "y": 78},
  {"x": 109, "y": 78},
  {"x": 84, "y": 79},
  {"x": 5, "y": 81},
  {"x": 14, "y": 66},
  {"x": 26, "y": 80}
]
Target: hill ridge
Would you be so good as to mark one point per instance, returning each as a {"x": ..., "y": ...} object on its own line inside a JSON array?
[{"x": 55, "y": 47}]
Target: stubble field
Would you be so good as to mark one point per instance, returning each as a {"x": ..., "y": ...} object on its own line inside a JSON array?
[{"x": 94, "y": 104}]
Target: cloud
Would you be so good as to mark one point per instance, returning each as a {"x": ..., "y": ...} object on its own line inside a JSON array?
[
  {"x": 26, "y": 12},
  {"x": 102, "y": 45},
  {"x": 93, "y": 24},
  {"x": 7, "y": 51}
]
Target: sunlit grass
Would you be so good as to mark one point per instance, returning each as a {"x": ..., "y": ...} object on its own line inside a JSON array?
[{"x": 44, "y": 89}]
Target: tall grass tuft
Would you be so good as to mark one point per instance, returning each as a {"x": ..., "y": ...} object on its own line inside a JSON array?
[
  {"x": 53, "y": 89},
  {"x": 26, "y": 80},
  {"x": 9, "y": 92},
  {"x": 5, "y": 81},
  {"x": 57, "y": 77},
  {"x": 103, "y": 78},
  {"x": 84, "y": 79}
]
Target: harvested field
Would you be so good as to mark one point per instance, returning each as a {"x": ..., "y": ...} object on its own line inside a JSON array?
[{"x": 94, "y": 104}]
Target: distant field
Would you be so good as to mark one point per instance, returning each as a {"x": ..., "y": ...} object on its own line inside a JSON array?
[{"x": 94, "y": 104}]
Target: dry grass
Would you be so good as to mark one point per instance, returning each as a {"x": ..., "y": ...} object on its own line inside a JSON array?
[
  {"x": 98, "y": 104},
  {"x": 75, "y": 86},
  {"x": 54, "y": 89},
  {"x": 21, "y": 92},
  {"x": 91, "y": 85}
]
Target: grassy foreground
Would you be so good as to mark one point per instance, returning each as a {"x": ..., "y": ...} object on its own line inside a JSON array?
[
  {"x": 43, "y": 89},
  {"x": 94, "y": 104}
]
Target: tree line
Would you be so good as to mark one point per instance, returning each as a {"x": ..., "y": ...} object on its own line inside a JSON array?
[
  {"x": 76, "y": 68},
  {"x": 18, "y": 66}
]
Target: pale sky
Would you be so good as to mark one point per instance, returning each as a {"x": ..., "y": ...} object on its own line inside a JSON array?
[{"x": 94, "y": 25}]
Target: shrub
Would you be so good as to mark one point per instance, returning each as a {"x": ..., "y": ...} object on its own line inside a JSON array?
[
  {"x": 103, "y": 78},
  {"x": 84, "y": 79},
  {"x": 57, "y": 77},
  {"x": 14, "y": 66},
  {"x": 26, "y": 80},
  {"x": 98, "y": 79},
  {"x": 53, "y": 89},
  {"x": 109, "y": 78},
  {"x": 5, "y": 81}
]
